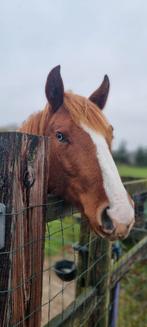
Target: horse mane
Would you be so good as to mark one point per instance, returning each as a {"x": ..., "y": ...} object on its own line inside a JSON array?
[
  {"x": 81, "y": 110},
  {"x": 37, "y": 122}
]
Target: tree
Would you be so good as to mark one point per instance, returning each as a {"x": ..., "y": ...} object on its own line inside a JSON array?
[
  {"x": 121, "y": 155},
  {"x": 141, "y": 157}
]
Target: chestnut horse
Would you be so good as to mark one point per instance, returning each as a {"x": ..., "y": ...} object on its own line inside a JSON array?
[{"x": 82, "y": 169}]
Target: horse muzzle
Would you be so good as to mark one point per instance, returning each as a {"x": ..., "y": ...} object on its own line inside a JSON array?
[{"x": 111, "y": 227}]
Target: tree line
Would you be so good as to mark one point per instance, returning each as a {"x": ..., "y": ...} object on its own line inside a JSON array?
[{"x": 124, "y": 156}]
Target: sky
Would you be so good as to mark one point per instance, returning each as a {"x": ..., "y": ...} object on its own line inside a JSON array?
[{"x": 88, "y": 39}]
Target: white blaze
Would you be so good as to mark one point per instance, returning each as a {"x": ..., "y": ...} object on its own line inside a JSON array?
[{"x": 119, "y": 206}]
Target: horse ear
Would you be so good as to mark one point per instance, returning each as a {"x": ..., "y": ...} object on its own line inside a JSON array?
[
  {"x": 99, "y": 97},
  {"x": 54, "y": 88}
]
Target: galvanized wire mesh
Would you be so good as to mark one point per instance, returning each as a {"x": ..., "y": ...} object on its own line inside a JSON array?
[
  {"x": 132, "y": 300},
  {"x": 86, "y": 296}
]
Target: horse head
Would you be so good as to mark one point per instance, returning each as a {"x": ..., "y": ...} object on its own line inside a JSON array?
[
  {"x": 82, "y": 169},
  {"x": 81, "y": 165}
]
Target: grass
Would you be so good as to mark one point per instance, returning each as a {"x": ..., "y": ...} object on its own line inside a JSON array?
[
  {"x": 61, "y": 234},
  {"x": 133, "y": 293},
  {"x": 132, "y": 171},
  {"x": 133, "y": 297}
]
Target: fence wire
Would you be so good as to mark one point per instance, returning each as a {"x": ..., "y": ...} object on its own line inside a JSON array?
[
  {"x": 75, "y": 280},
  {"x": 131, "y": 295}
]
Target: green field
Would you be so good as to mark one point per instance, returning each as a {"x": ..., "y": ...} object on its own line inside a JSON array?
[
  {"x": 61, "y": 234},
  {"x": 133, "y": 297},
  {"x": 132, "y": 171}
]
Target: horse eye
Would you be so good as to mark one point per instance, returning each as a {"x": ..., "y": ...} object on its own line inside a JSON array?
[{"x": 60, "y": 137}]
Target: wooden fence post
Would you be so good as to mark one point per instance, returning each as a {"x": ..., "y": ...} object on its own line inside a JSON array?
[
  {"x": 99, "y": 278},
  {"x": 97, "y": 275},
  {"x": 23, "y": 190},
  {"x": 83, "y": 256}
]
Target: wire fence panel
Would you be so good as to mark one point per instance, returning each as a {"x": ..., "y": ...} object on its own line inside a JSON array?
[
  {"x": 132, "y": 272},
  {"x": 91, "y": 293},
  {"x": 54, "y": 271},
  {"x": 70, "y": 239},
  {"x": 133, "y": 297}
]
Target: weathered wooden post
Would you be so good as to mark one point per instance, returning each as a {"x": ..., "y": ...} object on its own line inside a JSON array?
[
  {"x": 83, "y": 256},
  {"x": 99, "y": 278},
  {"x": 96, "y": 276},
  {"x": 23, "y": 191}
]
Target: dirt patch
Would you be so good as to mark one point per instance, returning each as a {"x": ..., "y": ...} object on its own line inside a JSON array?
[{"x": 57, "y": 295}]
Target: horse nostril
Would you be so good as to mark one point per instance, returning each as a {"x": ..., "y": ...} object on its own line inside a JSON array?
[{"x": 107, "y": 223}]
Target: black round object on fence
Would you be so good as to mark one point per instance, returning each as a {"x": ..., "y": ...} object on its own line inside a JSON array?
[{"x": 65, "y": 270}]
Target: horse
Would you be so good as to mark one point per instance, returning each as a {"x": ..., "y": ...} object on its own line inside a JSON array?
[{"x": 82, "y": 169}]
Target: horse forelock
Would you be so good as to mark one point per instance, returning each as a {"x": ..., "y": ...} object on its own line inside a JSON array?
[{"x": 83, "y": 111}]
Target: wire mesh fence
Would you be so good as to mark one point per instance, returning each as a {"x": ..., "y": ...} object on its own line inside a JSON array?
[
  {"x": 132, "y": 294},
  {"x": 63, "y": 236},
  {"x": 78, "y": 287},
  {"x": 69, "y": 241},
  {"x": 133, "y": 297}
]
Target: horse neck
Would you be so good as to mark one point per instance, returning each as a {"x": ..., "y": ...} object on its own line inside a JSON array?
[{"x": 36, "y": 123}]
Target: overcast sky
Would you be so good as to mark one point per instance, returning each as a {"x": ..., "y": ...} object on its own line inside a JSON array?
[{"x": 88, "y": 39}]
